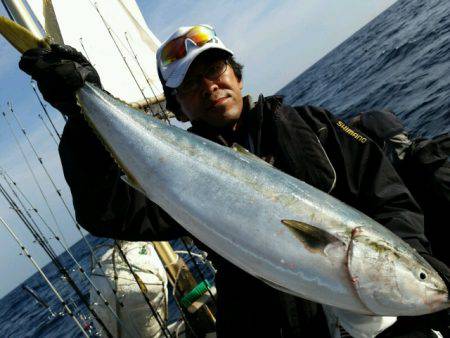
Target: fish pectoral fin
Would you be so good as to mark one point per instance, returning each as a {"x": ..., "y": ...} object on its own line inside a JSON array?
[
  {"x": 313, "y": 238},
  {"x": 132, "y": 183}
]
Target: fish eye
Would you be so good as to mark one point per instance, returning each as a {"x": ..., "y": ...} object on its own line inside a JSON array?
[{"x": 423, "y": 275}]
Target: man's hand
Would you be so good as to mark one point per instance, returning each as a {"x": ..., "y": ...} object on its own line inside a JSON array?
[{"x": 59, "y": 72}]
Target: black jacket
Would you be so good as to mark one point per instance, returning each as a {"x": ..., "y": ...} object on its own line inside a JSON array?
[
  {"x": 425, "y": 170},
  {"x": 306, "y": 142},
  {"x": 423, "y": 165}
]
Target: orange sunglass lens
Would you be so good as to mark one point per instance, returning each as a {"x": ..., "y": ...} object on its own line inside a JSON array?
[
  {"x": 200, "y": 35},
  {"x": 176, "y": 49},
  {"x": 173, "y": 50}
]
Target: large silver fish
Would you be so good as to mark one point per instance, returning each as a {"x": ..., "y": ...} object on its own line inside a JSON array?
[{"x": 278, "y": 228}]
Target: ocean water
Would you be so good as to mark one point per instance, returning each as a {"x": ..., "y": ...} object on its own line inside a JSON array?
[{"x": 399, "y": 61}]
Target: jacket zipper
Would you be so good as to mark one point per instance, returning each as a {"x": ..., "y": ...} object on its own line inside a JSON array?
[{"x": 331, "y": 165}]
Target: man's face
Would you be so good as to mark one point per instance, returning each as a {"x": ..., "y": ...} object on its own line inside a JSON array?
[{"x": 216, "y": 102}]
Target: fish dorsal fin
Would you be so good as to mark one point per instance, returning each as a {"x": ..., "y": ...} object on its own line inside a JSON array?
[
  {"x": 241, "y": 150},
  {"x": 313, "y": 238},
  {"x": 132, "y": 183}
]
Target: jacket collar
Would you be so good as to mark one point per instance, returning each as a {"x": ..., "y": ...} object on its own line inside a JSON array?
[
  {"x": 268, "y": 128},
  {"x": 254, "y": 130}
]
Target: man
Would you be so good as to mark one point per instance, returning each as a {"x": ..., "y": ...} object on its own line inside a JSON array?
[{"x": 202, "y": 83}]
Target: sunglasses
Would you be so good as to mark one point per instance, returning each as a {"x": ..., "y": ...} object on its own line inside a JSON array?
[
  {"x": 213, "y": 72},
  {"x": 176, "y": 49}
]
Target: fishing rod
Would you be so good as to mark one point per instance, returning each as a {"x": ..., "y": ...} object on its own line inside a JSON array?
[
  {"x": 43, "y": 244},
  {"x": 163, "y": 111},
  {"x": 40, "y": 160},
  {"x": 203, "y": 257},
  {"x": 181, "y": 310},
  {"x": 122, "y": 56},
  {"x": 191, "y": 299},
  {"x": 143, "y": 289},
  {"x": 80, "y": 269},
  {"x": 119, "y": 51},
  {"x": 65, "y": 246},
  {"x": 33, "y": 85},
  {"x": 187, "y": 289},
  {"x": 183, "y": 319},
  {"x": 47, "y": 248},
  {"x": 199, "y": 271},
  {"x": 9, "y": 180},
  {"x": 51, "y": 253},
  {"x": 48, "y": 130},
  {"x": 58, "y": 191},
  {"x": 27, "y": 254},
  {"x": 37, "y": 236},
  {"x": 38, "y": 298},
  {"x": 23, "y": 206},
  {"x": 85, "y": 51},
  {"x": 34, "y": 177}
]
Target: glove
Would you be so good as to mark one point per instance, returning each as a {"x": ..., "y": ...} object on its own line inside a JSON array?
[{"x": 59, "y": 72}]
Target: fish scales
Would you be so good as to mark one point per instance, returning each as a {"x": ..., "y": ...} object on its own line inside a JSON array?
[{"x": 263, "y": 220}]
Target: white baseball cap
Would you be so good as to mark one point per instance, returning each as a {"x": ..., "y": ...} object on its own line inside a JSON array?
[{"x": 174, "y": 71}]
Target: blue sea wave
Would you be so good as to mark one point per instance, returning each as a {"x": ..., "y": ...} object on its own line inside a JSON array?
[{"x": 399, "y": 61}]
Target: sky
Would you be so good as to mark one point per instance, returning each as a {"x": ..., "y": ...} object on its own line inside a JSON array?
[{"x": 274, "y": 40}]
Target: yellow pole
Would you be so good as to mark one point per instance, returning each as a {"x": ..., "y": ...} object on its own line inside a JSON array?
[{"x": 182, "y": 280}]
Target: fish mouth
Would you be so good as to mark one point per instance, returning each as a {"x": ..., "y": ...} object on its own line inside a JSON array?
[
  {"x": 439, "y": 300},
  {"x": 439, "y": 292},
  {"x": 439, "y": 305}
]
